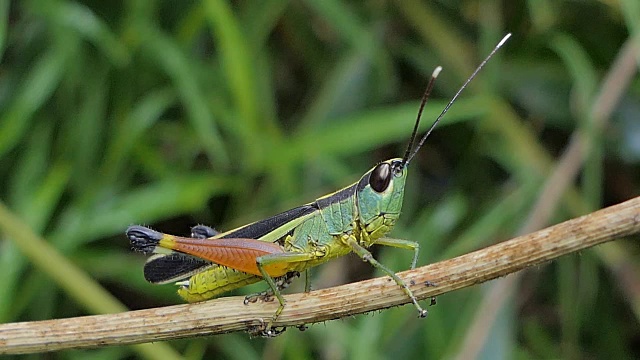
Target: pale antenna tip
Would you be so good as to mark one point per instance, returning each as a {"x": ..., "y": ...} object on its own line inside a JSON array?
[
  {"x": 504, "y": 40},
  {"x": 436, "y": 72}
]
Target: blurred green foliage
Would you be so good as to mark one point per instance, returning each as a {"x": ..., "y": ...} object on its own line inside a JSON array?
[{"x": 176, "y": 113}]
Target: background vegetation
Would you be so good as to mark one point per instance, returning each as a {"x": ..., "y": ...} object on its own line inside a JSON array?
[{"x": 176, "y": 113}]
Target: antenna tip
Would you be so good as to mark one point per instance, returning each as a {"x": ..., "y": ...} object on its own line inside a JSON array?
[
  {"x": 436, "y": 72},
  {"x": 504, "y": 40}
]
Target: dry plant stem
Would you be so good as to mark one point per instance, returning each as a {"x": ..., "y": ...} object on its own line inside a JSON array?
[{"x": 229, "y": 314}]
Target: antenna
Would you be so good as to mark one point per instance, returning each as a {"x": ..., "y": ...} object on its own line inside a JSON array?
[
  {"x": 406, "y": 159},
  {"x": 425, "y": 97}
]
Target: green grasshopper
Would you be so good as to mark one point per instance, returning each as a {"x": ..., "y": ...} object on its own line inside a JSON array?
[{"x": 278, "y": 248}]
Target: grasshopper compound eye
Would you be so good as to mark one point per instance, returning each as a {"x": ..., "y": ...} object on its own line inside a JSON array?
[{"x": 380, "y": 177}]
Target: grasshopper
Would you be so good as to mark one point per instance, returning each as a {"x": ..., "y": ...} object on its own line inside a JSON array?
[{"x": 279, "y": 248}]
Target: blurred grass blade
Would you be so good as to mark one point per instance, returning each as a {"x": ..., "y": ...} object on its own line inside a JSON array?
[
  {"x": 33, "y": 92},
  {"x": 133, "y": 128},
  {"x": 347, "y": 24},
  {"x": 580, "y": 68},
  {"x": 261, "y": 19},
  {"x": 238, "y": 69},
  {"x": 585, "y": 86},
  {"x": 344, "y": 91},
  {"x": 4, "y": 25},
  {"x": 87, "y": 129},
  {"x": 179, "y": 69},
  {"x": 440, "y": 34},
  {"x": 236, "y": 58},
  {"x": 82, "y": 20}
]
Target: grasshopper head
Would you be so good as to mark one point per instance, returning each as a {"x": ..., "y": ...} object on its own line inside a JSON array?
[{"x": 380, "y": 192}]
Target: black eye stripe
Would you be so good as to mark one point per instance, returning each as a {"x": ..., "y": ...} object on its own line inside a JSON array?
[{"x": 380, "y": 177}]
